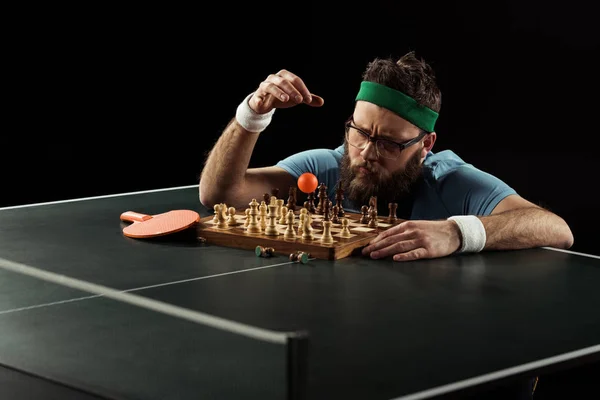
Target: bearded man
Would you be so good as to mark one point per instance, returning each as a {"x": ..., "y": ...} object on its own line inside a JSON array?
[{"x": 449, "y": 205}]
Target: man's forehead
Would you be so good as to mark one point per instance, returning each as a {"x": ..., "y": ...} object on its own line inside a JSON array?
[{"x": 370, "y": 116}]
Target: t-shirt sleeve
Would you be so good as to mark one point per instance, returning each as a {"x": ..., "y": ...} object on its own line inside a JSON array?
[
  {"x": 323, "y": 163},
  {"x": 470, "y": 191}
]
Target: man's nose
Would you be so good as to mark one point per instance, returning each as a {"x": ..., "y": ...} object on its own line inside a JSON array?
[{"x": 369, "y": 152}]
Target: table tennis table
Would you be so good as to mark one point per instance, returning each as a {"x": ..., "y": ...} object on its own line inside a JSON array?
[{"x": 87, "y": 313}]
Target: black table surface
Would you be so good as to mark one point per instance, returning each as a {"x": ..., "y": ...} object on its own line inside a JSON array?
[{"x": 377, "y": 329}]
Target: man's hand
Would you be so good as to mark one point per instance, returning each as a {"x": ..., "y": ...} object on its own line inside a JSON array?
[
  {"x": 282, "y": 90},
  {"x": 411, "y": 240}
]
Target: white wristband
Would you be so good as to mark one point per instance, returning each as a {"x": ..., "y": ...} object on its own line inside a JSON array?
[
  {"x": 249, "y": 119},
  {"x": 472, "y": 231}
]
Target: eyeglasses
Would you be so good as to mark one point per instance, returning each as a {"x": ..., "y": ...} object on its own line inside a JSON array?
[{"x": 385, "y": 148}]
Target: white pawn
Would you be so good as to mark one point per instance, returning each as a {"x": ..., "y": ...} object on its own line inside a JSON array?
[
  {"x": 216, "y": 209},
  {"x": 345, "y": 232},
  {"x": 283, "y": 218},
  {"x": 231, "y": 221},
  {"x": 327, "y": 237}
]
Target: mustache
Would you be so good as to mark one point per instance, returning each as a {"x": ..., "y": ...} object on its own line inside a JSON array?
[
  {"x": 373, "y": 170},
  {"x": 363, "y": 164}
]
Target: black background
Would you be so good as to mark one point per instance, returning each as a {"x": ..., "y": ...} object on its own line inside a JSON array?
[{"x": 124, "y": 98}]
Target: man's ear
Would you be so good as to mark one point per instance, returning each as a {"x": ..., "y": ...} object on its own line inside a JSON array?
[{"x": 428, "y": 143}]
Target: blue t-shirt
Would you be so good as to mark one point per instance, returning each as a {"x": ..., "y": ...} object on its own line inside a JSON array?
[{"x": 450, "y": 186}]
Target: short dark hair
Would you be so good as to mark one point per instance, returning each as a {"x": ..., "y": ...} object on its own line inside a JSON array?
[{"x": 408, "y": 74}]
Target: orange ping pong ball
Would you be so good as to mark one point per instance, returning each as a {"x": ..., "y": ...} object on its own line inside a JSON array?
[{"x": 307, "y": 182}]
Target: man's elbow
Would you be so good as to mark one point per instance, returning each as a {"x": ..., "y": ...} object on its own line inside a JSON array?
[
  {"x": 207, "y": 199},
  {"x": 564, "y": 238},
  {"x": 209, "y": 196}
]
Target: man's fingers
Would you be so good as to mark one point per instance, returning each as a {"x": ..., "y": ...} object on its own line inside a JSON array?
[
  {"x": 386, "y": 241},
  {"x": 298, "y": 84},
  {"x": 289, "y": 88},
  {"x": 267, "y": 97},
  {"x": 274, "y": 90},
  {"x": 282, "y": 90},
  {"x": 393, "y": 231},
  {"x": 414, "y": 254},
  {"x": 395, "y": 248}
]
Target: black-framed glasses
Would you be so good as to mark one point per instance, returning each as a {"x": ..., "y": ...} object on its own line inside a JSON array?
[{"x": 358, "y": 138}]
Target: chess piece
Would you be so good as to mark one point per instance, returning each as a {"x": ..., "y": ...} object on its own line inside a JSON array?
[
  {"x": 299, "y": 256},
  {"x": 364, "y": 218},
  {"x": 373, "y": 203},
  {"x": 326, "y": 237},
  {"x": 224, "y": 210},
  {"x": 326, "y": 210},
  {"x": 310, "y": 199},
  {"x": 302, "y": 251},
  {"x": 339, "y": 198},
  {"x": 261, "y": 251},
  {"x": 307, "y": 230},
  {"x": 221, "y": 219},
  {"x": 216, "y": 209},
  {"x": 262, "y": 213},
  {"x": 290, "y": 232},
  {"x": 301, "y": 218},
  {"x": 253, "y": 224},
  {"x": 392, "y": 218},
  {"x": 271, "y": 228},
  {"x": 373, "y": 222},
  {"x": 231, "y": 220},
  {"x": 322, "y": 198},
  {"x": 279, "y": 203},
  {"x": 345, "y": 232},
  {"x": 335, "y": 218},
  {"x": 247, "y": 220},
  {"x": 291, "y": 203},
  {"x": 283, "y": 211}
]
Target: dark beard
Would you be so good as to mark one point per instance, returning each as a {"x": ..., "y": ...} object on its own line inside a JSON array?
[{"x": 394, "y": 189}]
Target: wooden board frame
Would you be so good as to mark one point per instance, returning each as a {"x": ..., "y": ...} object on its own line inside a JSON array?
[{"x": 342, "y": 247}]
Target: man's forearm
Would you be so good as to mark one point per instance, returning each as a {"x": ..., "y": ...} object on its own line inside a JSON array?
[
  {"x": 526, "y": 228},
  {"x": 226, "y": 164}
]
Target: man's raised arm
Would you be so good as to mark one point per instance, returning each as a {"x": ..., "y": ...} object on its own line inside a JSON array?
[{"x": 225, "y": 177}]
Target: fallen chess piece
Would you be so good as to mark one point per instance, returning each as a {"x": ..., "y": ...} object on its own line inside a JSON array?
[
  {"x": 300, "y": 256},
  {"x": 261, "y": 251}
]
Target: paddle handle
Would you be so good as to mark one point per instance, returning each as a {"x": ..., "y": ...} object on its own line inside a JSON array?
[{"x": 133, "y": 216}]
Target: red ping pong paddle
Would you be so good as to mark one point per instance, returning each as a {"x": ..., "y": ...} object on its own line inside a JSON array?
[{"x": 146, "y": 226}]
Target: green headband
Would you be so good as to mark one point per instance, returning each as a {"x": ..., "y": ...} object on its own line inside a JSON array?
[{"x": 398, "y": 102}]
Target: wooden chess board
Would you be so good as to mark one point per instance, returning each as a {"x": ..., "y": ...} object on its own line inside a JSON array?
[{"x": 237, "y": 236}]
